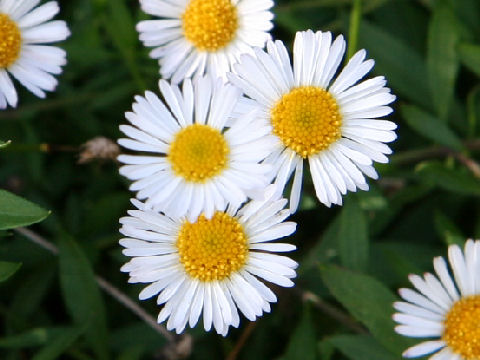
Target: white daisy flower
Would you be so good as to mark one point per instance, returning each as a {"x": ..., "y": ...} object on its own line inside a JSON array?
[
  {"x": 332, "y": 123},
  {"x": 198, "y": 164},
  {"x": 210, "y": 266},
  {"x": 193, "y": 37},
  {"x": 23, "y": 28},
  {"x": 443, "y": 308}
]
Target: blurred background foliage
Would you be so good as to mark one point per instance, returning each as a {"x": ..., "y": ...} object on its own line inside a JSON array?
[{"x": 352, "y": 258}]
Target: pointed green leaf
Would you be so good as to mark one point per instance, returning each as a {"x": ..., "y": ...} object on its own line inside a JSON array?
[
  {"x": 442, "y": 59},
  {"x": 430, "y": 127},
  {"x": 82, "y": 295},
  {"x": 31, "y": 338},
  {"x": 454, "y": 180},
  {"x": 4, "y": 144},
  {"x": 120, "y": 27},
  {"x": 361, "y": 347},
  {"x": 7, "y": 269},
  {"x": 369, "y": 301},
  {"x": 353, "y": 244},
  {"x": 58, "y": 344},
  {"x": 16, "y": 211},
  {"x": 303, "y": 344},
  {"x": 405, "y": 69},
  {"x": 470, "y": 57}
]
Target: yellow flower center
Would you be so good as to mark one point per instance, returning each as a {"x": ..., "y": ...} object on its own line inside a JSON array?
[
  {"x": 212, "y": 249},
  {"x": 307, "y": 120},
  {"x": 10, "y": 41},
  {"x": 198, "y": 153},
  {"x": 210, "y": 25},
  {"x": 462, "y": 328}
]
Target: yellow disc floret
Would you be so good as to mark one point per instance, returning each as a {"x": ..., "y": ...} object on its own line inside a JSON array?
[
  {"x": 198, "y": 153},
  {"x": 10, "y": 41},
  {"x": 462, "y": 328},
  {"x": 212, "y": 249},
  {"x": 210, "y": 25},
  {"x": 307, "y": 120}
]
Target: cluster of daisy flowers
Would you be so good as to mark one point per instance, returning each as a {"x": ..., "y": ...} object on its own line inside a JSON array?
[{"x": 210, "y": 156}]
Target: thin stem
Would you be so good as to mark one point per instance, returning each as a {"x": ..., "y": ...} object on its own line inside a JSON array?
[
  {"x": 42, "y": 148},
  {"x": 435, "y": 152},
  {"x": 233, "y": 355},
  {"x": 333, "y": 312},
  {"x": 37, "y": 239},
  {"x": 412, "y": 156},
  {"x": 106, "y": 286},
  {"x": 133, "y": 307},
  {"x": 355, "y": 17}
]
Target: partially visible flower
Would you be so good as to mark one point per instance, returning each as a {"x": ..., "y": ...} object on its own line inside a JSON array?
[
  {"x": 209, "y": 266},
  {"x": 23, "y": 31},
  {"x": 444, "y": 309},
  {"x": 193, "y": 37},
  {"x": 198, "y": 165},
  {"x": 332, "y": 123}
]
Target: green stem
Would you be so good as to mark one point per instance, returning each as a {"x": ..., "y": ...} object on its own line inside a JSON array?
[
  {"x": 355, "y": 17},
  {"x": 42, "y": 148}
]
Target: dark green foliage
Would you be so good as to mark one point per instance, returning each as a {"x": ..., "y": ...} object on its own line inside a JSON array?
[{"x": 352, "y": 258}]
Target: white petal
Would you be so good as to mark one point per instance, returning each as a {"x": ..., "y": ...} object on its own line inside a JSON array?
[{"x": 424, "y": 348}]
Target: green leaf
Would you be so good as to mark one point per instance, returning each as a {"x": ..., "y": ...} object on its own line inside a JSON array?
[
  {"x": 34, "y": 337},
  {"x": 442, "y": 59},
  {"x": 82, "y": 295},
  {"x": 30, "y": 293},
  {"x": 430, "y": 127},
  {"x": 405, "y": 68},
  {"x": 7, "y": 269},
  {"x": 303, "y": 344},
  {"x": 325, "y": 249},
  {"x": 16, "y": 211},
  {"x": 4, "y": 144},
  {"x": 468, "y": 11},
  {"x": 361, "y": 347},
  {"x": 58, "y": 344},
  {"x": 369, "y": 301},
  {"x": 326, "y": 350},
  {"x": 445, "y": 227},
  {"x": 470, "y": 57},
  {"x": 136, "y": 334},
  {"x": 120, "y": 26},
  {"x": 353, "y": 242},
  {"x": 454, "y": 180}
]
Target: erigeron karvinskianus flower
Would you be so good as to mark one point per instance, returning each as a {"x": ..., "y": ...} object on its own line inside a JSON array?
[
  {"x": 191, "y": 162},
  {"x": 193, "y": 37},
  {"x": 332, "y": 123},
  {"x": 24, "y": 31},
  {"x": 210, "y": 266},
  {"x": 443, "y": 308}
]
